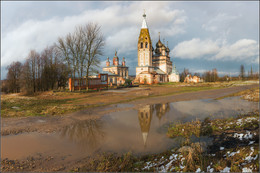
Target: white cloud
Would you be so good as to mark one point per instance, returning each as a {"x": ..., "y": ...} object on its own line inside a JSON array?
[
  {"x": 195, "y": 48},
  {"x": 219, "y": 23},
  {"x": 244, "y": 50},
  {"x": 120, "y": 25}
]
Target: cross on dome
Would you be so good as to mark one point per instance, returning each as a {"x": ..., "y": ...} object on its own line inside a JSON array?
[{"x": 144, "y": 24}]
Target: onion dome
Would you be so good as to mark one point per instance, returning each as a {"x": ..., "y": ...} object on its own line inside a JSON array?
[
  {"x": 167, "y": 49},
  {"x": 163, "y": 47},
  {"x": 159, "y": 44}
]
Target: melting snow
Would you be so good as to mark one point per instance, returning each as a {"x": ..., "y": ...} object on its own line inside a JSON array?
[
  {"x": 198, "y": 170},
  {"x": 233, "y": 153},
  {"x": 239, "y": 122},
  {"x": 248, "y": 135},
  {"x": 226, "y": 169},
  {"x": 173, "y": 156},
  {"x": 246, "y": 169},
  {"x": 251, "y": 142}
]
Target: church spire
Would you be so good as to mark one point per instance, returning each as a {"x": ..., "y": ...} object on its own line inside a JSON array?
[{"x": 144, "y": 24}]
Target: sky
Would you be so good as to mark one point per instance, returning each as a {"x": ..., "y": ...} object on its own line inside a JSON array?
[{"x": 201, "y": 35}]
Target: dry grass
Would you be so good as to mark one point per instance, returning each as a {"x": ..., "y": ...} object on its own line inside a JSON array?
[
  {"x": 250, "y": 95},
  {"x": 58, "y": 103}
]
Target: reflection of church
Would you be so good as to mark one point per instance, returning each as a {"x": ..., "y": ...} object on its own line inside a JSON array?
[
  {"x": 145, "y": 117},
  {"x": 154, "y": 66}
]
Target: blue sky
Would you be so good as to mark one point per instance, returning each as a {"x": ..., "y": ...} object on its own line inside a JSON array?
[{"x": 201, "y": 35}]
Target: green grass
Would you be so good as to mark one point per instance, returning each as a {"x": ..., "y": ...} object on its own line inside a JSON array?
[
  {"x": 33, "y": 107},
  {"x": 40, "y": 107}
]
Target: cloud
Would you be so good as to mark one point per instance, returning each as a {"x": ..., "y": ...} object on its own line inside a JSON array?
[
  {"x": 120, "y": 23},
  {"x": 245, "y": 50},
  {"x": 220, "y": 23},
  {"x": 242, "y": 50},
  {"x": 195, "y": 48}
]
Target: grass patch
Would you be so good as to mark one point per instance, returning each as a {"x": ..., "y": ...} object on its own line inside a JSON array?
[
  {"x": 250, "y": 95},
  {"x": 214, "y": 127},
  {"x": 17, "y": 107},
  {"x": 58, "y": 103}
]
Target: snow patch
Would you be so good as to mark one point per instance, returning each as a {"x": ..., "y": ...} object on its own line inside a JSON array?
[
  {"x": 198, "y": 170},
  {"x": 226, "y": 169},
  {"x": 246, "y": 169}
]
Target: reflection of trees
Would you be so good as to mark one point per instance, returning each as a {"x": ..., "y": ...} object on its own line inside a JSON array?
[
  {"x": 87, "y": 134},
  {"x": 161, "y": 109}
]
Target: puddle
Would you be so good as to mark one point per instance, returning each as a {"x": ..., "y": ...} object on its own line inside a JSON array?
[{"x": 140, "y": 131}]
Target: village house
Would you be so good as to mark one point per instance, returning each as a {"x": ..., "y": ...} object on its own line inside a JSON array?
[
  {"x": 194, "y": 79},
  {"x": 154, "y": 66}
]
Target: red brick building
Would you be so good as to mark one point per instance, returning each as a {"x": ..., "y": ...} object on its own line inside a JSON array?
[{"x": 101, "y": 81}]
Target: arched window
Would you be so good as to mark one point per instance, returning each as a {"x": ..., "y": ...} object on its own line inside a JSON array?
[
  {"x": 146, "y": 45},
  {"x": 141, "y": 45}
]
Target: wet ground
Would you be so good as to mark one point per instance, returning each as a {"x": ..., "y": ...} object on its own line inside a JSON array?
[
  {"x": 139, "y": 127},
  {"x": 140, "y": 131}
]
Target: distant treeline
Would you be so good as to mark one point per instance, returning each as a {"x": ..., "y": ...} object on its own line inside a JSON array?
[
  {"x": 75, "y": 55},
  {"x": 212, "y": 76}
]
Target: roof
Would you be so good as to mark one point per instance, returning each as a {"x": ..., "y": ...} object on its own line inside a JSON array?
[
  {"x": 109, "y": 73},
  {"x": 145, "y": 72},
  {"x": 159, "y": 71},
  {"x": 174, "y": 70},
  {"x": 116, "y": 66}
]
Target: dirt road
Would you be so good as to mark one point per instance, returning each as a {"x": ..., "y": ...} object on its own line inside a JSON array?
[{"x": 50, "y": 124}]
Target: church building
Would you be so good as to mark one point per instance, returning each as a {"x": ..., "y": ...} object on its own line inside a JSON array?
[
  {"x": 154, "y": 66},
  {"x": 117, "y": 73}
]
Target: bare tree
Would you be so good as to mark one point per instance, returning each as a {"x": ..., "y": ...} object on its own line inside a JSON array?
[
  {"x": 94, "y": 42},
  {"x": 184, "y": 74},
  {"x": 81, "y": 50},
  {"x": 242, "y": 72},
  {"x": 30, "y": 73},
  {"x": 64, "y": 46},
  {"x": 13, "y": 76},
  {"x": 251, "y": 73}
]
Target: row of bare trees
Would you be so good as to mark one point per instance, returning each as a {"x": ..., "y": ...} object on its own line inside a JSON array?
[
  {"x": 40, "y": 72},
  {"x": 75, "y": 55},
  {"x": 211, "y": 76},
  {"x": 81, "y": 50}
]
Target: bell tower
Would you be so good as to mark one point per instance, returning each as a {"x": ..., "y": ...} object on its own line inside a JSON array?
[{"x": 144, "y": 47}]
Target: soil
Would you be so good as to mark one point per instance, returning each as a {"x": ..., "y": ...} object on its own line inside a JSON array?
[{"x": 49, "y": 124}]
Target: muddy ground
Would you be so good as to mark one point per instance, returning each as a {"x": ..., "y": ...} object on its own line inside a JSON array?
[{"x": 50, "y": 123}]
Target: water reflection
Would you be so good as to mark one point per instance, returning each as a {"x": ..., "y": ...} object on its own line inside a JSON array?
[
  {"x": 141, "y": 131},
  {"x": 144, "y": 130},
  {"x": 145, "y": 117},
  {"x": 87, "y": 134},
  {"x": 161, "y": 109}
]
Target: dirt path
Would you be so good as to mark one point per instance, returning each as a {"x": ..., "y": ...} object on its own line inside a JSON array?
[{"x": 50, "y": 124}]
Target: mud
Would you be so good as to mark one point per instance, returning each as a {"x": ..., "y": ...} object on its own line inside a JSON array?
[
  {"x": 50, "y": 124},
  {"x": 57, "y": 143}
]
